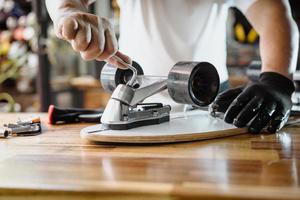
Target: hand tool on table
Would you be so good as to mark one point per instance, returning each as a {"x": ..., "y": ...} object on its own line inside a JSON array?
[
  {"x": 57, "y": 115},
  {"x": 27, "y": 127},
  {"x": 194, "y": 83}
]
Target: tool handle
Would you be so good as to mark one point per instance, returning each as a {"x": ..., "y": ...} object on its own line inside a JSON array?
[{"x": 68, "y": 115}]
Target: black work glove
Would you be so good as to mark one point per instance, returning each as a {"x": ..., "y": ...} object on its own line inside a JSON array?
[{"x": 267, "y": 103}]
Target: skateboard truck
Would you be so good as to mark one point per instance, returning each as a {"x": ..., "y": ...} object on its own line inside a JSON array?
[{"x": 194, "y": 83}]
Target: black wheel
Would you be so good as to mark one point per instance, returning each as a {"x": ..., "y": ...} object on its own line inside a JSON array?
[
  {"x": 194, "y": 83},
  {"x": 111, "y": 76}
]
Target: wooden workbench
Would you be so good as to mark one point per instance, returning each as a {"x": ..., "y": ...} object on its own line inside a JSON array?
[{"x": 59, "y": 164}]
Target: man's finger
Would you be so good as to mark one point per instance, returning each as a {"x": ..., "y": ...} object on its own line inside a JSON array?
[
  {"x": 230, "y": 93},
  {"x": 93, "y": 50},
  {"x": 248, "y": 112},
  {"x": 118, "y": 64},
  {"x": 124, "y": 57},
  {"x": 225, "y": 98},
  {"x": 110, "y": 47},
  {"x": 82, "y": 39},
  {"x": 279, "y": 119},
  {"x": 263, "y": 118},
  {"x": 236, "y": 106},
  {"x": 67, "y": 28}
]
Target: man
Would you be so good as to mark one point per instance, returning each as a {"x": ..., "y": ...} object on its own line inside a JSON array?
[{"x": 159, "y": 33}]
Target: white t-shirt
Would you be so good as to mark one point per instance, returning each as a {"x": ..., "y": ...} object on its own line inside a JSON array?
[{"x": 159, "y": 33}]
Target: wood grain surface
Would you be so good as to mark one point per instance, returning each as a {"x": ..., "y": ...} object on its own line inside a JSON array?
[{"x": 58, "y": 164}]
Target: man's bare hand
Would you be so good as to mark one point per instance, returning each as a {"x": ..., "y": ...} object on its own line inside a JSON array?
[{"x": 90, "y": 35}]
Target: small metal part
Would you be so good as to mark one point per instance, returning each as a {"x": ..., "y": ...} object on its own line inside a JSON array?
[
  {"x": 27, "y": 130},
  {"x": 29, "y": 121},
  {"x": 22, "y": 128},
  {"x": 133, "y": 69},
  {"x": 212, "y": 111},
  {"x": 3, "y": 133}
]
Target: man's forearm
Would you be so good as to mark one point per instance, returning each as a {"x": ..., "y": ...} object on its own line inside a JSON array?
[{"x": 278, "y": 35}]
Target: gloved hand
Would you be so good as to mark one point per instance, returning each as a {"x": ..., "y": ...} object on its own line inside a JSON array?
[
  {"x": 90, "y": 35},
  {"x": 266, "y": 103}
]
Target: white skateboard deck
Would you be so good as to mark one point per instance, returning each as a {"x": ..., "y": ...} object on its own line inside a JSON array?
[{"x": 182, "y": 127}]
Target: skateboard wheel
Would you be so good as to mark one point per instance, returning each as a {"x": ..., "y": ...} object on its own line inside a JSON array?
[
  {"x": 194, "y": 83},
  {"x": 112, "y": 76}
]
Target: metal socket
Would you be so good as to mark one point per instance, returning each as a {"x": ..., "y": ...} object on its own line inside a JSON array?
[
  {"x": 112, "y": 76},
  {"x": 194, "y": 83}
]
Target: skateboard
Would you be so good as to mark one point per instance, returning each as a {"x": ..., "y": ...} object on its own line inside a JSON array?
[{"x": 182, "y": 127}]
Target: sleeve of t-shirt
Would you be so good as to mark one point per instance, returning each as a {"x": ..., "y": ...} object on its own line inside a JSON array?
[
  {"x": 243, "y": 5},
  {"x": 91, "y": 1}
]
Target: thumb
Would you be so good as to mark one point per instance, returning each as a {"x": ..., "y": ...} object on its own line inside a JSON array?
[{"x": 123, "y": 57}]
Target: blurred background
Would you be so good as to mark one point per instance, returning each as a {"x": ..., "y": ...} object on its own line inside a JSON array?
[{"x": 37, "y": 69}]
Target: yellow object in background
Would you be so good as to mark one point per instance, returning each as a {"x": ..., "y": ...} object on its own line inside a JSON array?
[
  {"x": 252, "y": 36},
  {"x": 4, "y": 48},
  {"x": 240, "y": 33},
  {"x": 242, "y": 29},
  {"x": 242, "y": 36}
]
